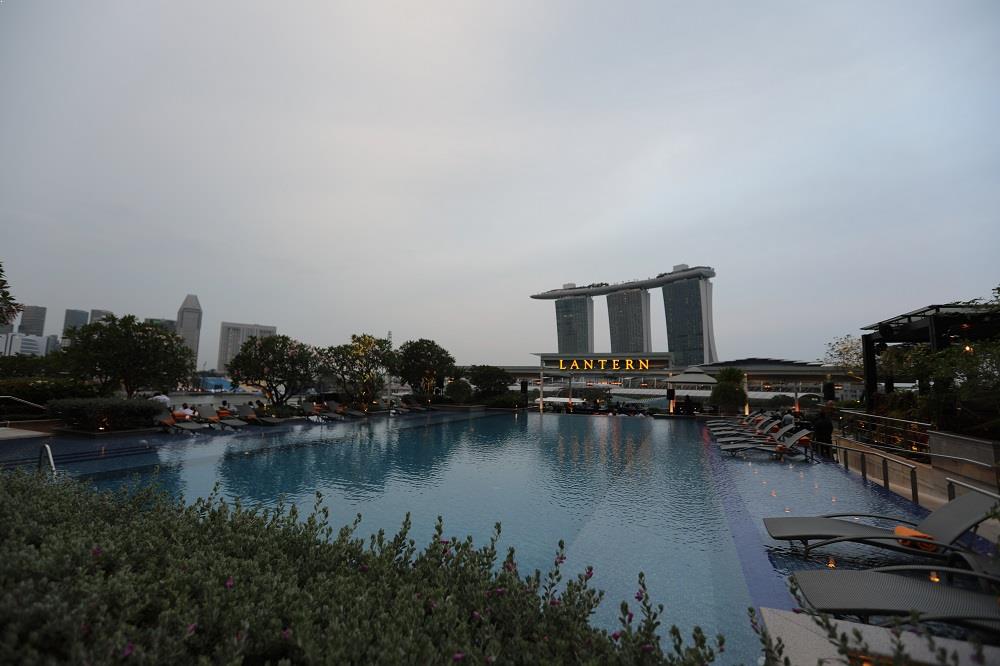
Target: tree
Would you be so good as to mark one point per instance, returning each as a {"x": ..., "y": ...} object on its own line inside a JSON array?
[
  {"x": 8, "y": 306},
  {"x": 276, "y": 364},
  {"x": 128, "y": 354},
  {"x": 360, "y": 366},
  {"x": 728, "y": 394},
  {"x": 490, "y": 380},
  {"x": 845, "y": 352},
  {"x": 459, "y": 391},
  {"x": 423, "y": 363}
]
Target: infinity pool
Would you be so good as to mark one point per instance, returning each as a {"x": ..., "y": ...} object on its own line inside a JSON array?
[{"x": 626, "y": 495}]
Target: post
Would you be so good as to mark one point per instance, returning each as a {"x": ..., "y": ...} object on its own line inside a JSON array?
[
  {"x": 871, "y": 374},
  {"x": 541, "y": 385},
  {"x": 847, "y": 461},
  {"x": 913, "y": 485},
  {"x": 885, "y": 472},
  {"x": 864, "y": 466},
  {"x": 951, "y": 491}
]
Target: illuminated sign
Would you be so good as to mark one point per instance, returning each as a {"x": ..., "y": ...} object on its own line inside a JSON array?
[{"x": 634, "y": 364}]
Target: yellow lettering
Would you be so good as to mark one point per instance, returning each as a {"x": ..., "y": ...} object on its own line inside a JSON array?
[
  {"x": 562, "y": 364},
  {"x": 628, "y": 364},
  {"x": 615, "y": 365},
  {"x": 574, "y": 365},
  {"x": 602, "y": 361},
  {"x": 644, "y": 364},
  {"x": 588, "y": 364}
]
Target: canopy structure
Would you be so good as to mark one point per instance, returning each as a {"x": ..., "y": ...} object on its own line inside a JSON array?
[{"x": 693, "y": 375}]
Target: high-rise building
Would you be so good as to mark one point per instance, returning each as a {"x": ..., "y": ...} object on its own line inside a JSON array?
[
  {"x": 628, "y": 319},
  {"x": 6, "y": 328},
  {"x": 166, "y": 324},
  {"x": 74, "y": 319},
  {"x": 687, "y": 303},
  {"x": 232, "y": 336},
  {"x": 18, "y": 344},
  {"x": 98, "y": 315},
  {"x": 189, "y": 322},
  {"x": 52, "y": 344},
  {"x": 575, "y": 324},
  {"x": 32, "y": 320}
]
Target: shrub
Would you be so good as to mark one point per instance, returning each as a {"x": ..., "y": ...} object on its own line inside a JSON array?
[
  {"x": 94, "y": 577},
  {"x": 508, "y": 401},
  {"x": 43, "y": 389},
  {"x": 459, "y": 391},
  {"x": 105, "y": 414}
]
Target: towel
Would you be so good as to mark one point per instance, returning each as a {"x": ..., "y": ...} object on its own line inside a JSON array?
[{"x": 904, "y": 531}]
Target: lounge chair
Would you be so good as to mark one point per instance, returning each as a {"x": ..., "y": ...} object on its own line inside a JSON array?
[
  {"x": 767, "y": 437},
  {"x": 315, "y": 411},
  {"x": 943, "y": 527},
  {"x": 883, "y": 592},
  {"x": 248, "y": 415},
  {"x": 221, "y": 417},
  {"x": 758, "y": 428},
  {"x": 168, "y": 422},
  {"x": 789, "y": 442}
]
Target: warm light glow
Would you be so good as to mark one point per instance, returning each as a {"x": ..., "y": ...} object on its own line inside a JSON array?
[
  {"x": 968, "y": 348},
  {"x": 831, "y": 563},
  {"x": 934, "y": 577},
  {"x": 788, "y": 509}
]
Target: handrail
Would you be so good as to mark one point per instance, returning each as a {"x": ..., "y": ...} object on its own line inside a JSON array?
[
  {"x": 914, "y": 492},
  {"x": 955, "y": 482},
  {"x": 46, "y": 451},
  {"x": 884, "y": 418},
  {"x": 978, "y": 463},
  {"x": 13, "y": 397}
]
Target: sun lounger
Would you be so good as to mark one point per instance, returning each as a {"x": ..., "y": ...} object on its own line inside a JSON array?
[
  {"x": 943, "y": 527},
  {"x": 883, "y": 592},
  {"x": 770, "y": 437},
  {"x": 749, "y": 443},
  {"x": 168, "y": 422}
]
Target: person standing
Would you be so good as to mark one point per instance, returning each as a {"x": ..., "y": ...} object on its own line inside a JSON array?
[{"x": 823, "y": 431}]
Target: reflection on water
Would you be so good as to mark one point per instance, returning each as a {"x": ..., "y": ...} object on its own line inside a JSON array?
[{"x": 626, "y": 494}]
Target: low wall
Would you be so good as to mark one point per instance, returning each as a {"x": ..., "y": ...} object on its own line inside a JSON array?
[
  {"x": 460, "y": 408},
  {"x": 37, "y": 425},
  {"x": 971, "y": 448}
]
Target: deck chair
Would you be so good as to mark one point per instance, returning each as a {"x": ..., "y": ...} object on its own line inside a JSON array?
[
  {"x": 766, "y": 437},
  {"x": 248, "y": 415},
  {"x": 759, "y": 428},
  {"x": 763, "y": 444},
  {"x": 943, "y": 527},
  {"x": 883, "y": 592},
  {"x": 216, "y": 417},
  {"x": 167, "y": 421}
]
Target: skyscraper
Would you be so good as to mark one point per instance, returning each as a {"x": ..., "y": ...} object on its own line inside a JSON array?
[
  {"x": 575, "y": 324},
  {"x": 166, "y": 324},
  {"x": 32, "y": 320},
  {"x": 189, "y": 322},
  {"x": 232, "y": 336},
  {"x": 98, "y": 315},
  {"x": 74, "y": 319},
  {"x": 687, "y": 304},
  {"x": 628, "y": 319}
]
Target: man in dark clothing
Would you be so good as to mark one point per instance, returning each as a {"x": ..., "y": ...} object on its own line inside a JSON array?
[{"x": 823, "y": 431}]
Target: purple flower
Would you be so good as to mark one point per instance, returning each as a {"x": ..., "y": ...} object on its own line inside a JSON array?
[
  {"x": 230, "y": 583},
  {"x": 490, "y": 659},
  {"x": 639, "y": 595},
  {"x": 128, "y": 649},
  {"x": 615, "y": 636},
  {"x": 96, "y": 551},
  {"x": 554, "y": 602},
  {"x": 589, "y": 573},
  {"x": 647, "y": 648},
  {"x": 476, "y": 616},
  {"x": 500, "y": 591},
  {"x": 560, "y": 559},
  {"x": 458, "y": 656},
  {"x": 193, "y": 627},
  {"x": 630, "y": 616},
  {"x": 363, "y": 568},
  {"x": 286, "y": 633}
]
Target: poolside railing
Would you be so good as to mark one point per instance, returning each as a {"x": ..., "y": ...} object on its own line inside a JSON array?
[
  {"x": 968, "y": 486},
  {"x": 45, "y": 456},
  {"x": 909, "y": 438},
  {"x": 845, "y": 460}
]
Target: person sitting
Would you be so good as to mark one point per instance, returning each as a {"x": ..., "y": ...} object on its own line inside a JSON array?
[
  {"x": 184, "y": 413},
  {"x": 226, "y": 410},
  {"x": 788, "y": 418}
]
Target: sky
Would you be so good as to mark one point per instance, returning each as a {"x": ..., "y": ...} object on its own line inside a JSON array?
[{"x": 423, "y": 167}]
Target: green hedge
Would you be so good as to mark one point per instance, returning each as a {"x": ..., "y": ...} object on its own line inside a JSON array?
[
  {"x": 89, "y": 577},
  {"x": 43, "y": 389},
  {"x": 107, "y": 414}
]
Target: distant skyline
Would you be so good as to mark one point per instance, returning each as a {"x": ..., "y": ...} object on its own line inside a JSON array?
[{"x": 340, "y": 168}]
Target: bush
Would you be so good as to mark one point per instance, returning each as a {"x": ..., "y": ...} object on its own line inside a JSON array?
[
  {"x": 507, "y": 401},
  {"x": 43, "y": 389},
  {"x": 459, "y": 391},
  {"x": 93, "y": 578},
  {"x": 105, "y": 414}
]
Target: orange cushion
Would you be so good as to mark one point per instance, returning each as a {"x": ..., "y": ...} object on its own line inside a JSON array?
[
  {"x": 168, "y": 421},
  {"x": 904, "y": 531},
  {"x": 180, "y": 416},
  {"x": 225, "y": 413}
]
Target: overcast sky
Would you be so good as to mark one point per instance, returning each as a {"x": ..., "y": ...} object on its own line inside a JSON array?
[{"x": 424, "y": 167}]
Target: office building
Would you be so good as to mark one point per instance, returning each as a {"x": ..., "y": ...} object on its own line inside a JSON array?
[
  {"x": 32, "y": 320},
  {"x": 575, "y": 324},
  {"x": 74, "y": 319},
  {"x": 52, "y": 344},
  {"x": 165, "y": 324},
  {"x": 628, "y": 319},
  {"x": 232, "y": 336},
  {"x": 19, "y": 344},
  {"x": 98, "y": 315},
  {"x": 189, "y": 322}
]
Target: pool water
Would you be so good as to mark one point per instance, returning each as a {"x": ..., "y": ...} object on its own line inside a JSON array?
[{"x": 626, "y": 495}]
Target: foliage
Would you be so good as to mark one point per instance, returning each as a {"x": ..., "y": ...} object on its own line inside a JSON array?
[
  {"x": 32, "y": 366},
  {"x": 846, "y": 352},
  {"x": 728, "y": 394},
  {"x": 98, "y": 577},
  {"x": 43, "y": 389},
  {"x": 105, "y": 414},
  {"x": 459, "y": 390},
  {"x": 489, "y": 380},
  {"x": 8, "y": 306},
  {"x": 277, "y": 365},
  {"x": 780, "y": 401},
  {"x": 423, "y": 363},
  {"x": 128, "y": 354},
  {"x": 359, "y": 367},
  {"x": 507, "y": 400}
]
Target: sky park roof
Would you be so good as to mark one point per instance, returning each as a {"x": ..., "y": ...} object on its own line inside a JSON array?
[{"x": 602, "y": 288}]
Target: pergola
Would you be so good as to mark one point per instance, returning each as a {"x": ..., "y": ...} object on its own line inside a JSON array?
[{"x": 936, "y": 325}]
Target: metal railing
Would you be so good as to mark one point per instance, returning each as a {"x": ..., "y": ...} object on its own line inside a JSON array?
[
  {"x": 845, "y": 460},
  {"x": 6, "y": 423},
  {"x": 955, "y": 482},
  {"x": 45, "y": 458},
  {"x": 910, "y": 438}
]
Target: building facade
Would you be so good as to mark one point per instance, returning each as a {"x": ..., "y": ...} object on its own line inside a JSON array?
[
  {"x": 19, "y": 344},
  {"x": 628, "y": 319},
  {"x": 32, "y": 320},
  {"x": 98, "y": 315},
  {"x": 575, "y": 325},
  {"x": 189, "y": 323},
  {"x": 687, "y": 305},
  {"x": 232, "y": 336},
  {"x": 165, "y": 324},
  {"x": 74, "y": 319}
]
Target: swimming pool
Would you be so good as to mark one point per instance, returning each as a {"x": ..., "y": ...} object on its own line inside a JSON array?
[{"x": 626, "y": 494}]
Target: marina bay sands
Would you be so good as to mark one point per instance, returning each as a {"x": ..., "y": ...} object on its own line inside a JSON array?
[{"x": 687, "y": 304}]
